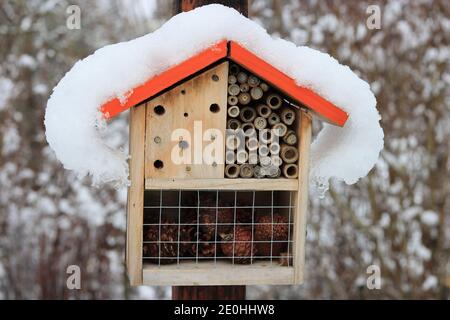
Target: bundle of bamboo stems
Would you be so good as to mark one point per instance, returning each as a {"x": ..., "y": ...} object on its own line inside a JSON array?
[{"x": 262, "y": 139}]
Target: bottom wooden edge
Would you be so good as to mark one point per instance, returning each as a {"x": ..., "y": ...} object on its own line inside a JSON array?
[{"x": 220, "y": 273}]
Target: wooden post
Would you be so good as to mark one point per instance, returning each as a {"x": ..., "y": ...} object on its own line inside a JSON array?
[
  {"x": 209, "y": 292},
  {"x": 187, "y": 5}
]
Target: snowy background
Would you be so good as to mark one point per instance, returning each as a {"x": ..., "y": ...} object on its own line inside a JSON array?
[{"x": 396, "y": 218}]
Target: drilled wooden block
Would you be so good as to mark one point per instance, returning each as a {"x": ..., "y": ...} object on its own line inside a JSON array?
[{"x": 177, "y": 125}]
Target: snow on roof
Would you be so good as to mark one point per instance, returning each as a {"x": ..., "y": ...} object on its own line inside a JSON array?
[
  {"x": 73, "y": 119},
  {"x": 234, "y": 52}
]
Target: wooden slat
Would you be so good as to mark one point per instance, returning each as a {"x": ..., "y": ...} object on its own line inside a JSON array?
[
  {"x": 221, "y": 273},
  {"x": 166, "y": 79},
  {"x": 136, "y": 195},
  {"x": 301, "y": 201},
  {"x": 281, "y": 81},
  {"x": 187, "y": 116},
  {"x": 223, "y": 184}
]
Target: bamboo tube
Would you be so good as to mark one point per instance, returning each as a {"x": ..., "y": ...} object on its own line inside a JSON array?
[
  {"x": 264, "y": 86},
  {"x": 242, "y": 77},
  {"x": 244, "y": 87},
  {"x": 279, "y": 129},
  {"x": 263, "y": 151},
  {"x": 290, "y": 137},
  {"x": 252, "y": 157},
  {"x": 265, "y": 161},
  {"x": 247, "y": 114},
  {"x": 287, "y": 116},
  {"x": 274, "y": 101},
  {"x": 233, "y": 89},
  {"x": 290, "y": 171},
  {"x": 269, "y": 170},
  {"x": 232, "y": 171},
  {"x": 244, "y": 98},
  {"x": 265, "y": 136},
  {"x": 234, "y": 69},
  {"x": 289, "y": 154},
  {"x": 230, "y": 157},
  {"x": 232, "y": 79},
  {"x": 256, "y": 93},
  {"x": 273, "y": 171},
  {"x": 233, "y": 124},
  {"x": 232, "y": 100},
  {"x": 260, "y": 123},
  {"x": 249, "y": 129},
  {"x": 273, "y": 119},
  {"x": 233, "y": 111},
  {"x": 274, "y": 148},
  {"x": 232, "y": 142},
  {"x": 246, "y": 171},
  {"x": 242, "y": 156},
  {"x": 252, "y": 144},
  {"x": 253, "y": 81},
  {"x": 263, "y": 110},
  {"x": 258, "y": 172},
  {"x": 276, "y": 161}
]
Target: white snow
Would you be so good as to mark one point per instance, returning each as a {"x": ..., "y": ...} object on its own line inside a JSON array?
[
  {"x": 73, "y": 121},
  {"x": 430, "y": 282},
  {"x": 430, "y": 218}
]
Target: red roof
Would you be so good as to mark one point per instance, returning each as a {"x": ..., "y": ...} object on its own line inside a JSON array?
[{"x": 235, "y": 52}]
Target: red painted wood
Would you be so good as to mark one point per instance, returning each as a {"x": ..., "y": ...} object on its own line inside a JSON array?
[
  {"x": 281, "y": 81},
  {"x": 166, "y": 79}
]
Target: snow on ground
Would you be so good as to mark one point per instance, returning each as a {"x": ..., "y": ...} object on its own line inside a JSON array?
[{"x": 74, "y": 123}]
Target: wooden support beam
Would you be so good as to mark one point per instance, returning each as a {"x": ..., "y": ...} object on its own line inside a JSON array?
[
  {"x": 188, "y": 5},
  {"x": 209, "y": 292}
]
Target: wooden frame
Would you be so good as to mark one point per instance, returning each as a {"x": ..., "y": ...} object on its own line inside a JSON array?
[
  {"x": 223, "y": 184},
  {"x": 136, "y": 195},
  {"x": 210, "y": 273},
  {"x": 214, "y": 272},
  {"x": 220, "y": 273}
]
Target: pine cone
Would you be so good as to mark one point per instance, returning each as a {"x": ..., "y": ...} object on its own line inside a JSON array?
[
  {"x": 263, "y": 232},
  {"x": 207, "y": 249},
  {"x": 244, "y": 215},
  {"x": 188, "y": 236},
  {"x": 167, "y": 242},
  {"x": 208, "y": 222},
  {"x": 243, "y": 249},
  {"x": 188, "y": 245}
]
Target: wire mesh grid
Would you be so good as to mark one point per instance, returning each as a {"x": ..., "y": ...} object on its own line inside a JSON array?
[{"x": 236, "y": 227}]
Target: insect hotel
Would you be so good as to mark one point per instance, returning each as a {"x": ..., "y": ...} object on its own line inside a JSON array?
[{"x": 241, "y": 218}]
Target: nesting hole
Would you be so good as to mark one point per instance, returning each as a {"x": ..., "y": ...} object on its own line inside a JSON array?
[
  {"x": 290, "y": 153},
  {"x": 232, "y": 170},
  {"x": 158, "y": 164},
  {"x": 159, "y": 110},
  {"x": 186, "y": 114},
  {"x": 291, "y": 170},
  {"x": 274, "y": 101},
  {"x": 215, "y": 77},
  {"x": 214, "y": 108}
]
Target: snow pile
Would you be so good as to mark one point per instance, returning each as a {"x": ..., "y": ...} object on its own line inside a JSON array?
[{"x": 73, "y": 121}]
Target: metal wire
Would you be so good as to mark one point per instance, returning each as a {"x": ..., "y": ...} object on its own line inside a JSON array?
[
  {"x": 179, "y": 227},
  {"x": 160, "y": 224},
  {"x": 258, "y": 202},
  {"x": 215, "y": 233}
]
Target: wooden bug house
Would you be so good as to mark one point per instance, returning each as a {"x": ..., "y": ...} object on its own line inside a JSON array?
[{"x": 241, "y": 219}]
